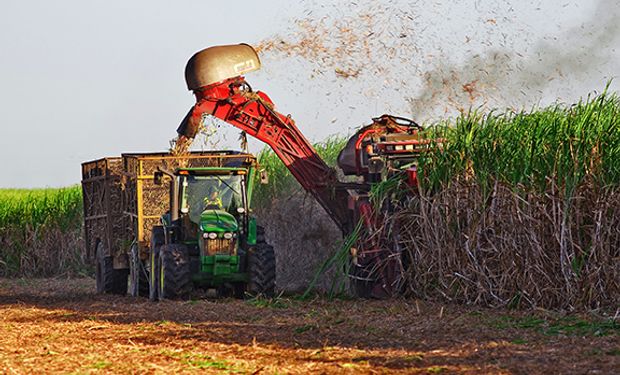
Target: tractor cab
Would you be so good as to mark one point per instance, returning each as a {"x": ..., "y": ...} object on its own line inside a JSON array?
[{"x": 213, "y": 206}]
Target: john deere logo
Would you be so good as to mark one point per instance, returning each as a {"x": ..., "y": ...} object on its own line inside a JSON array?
[{"x": 245, "y": 66}]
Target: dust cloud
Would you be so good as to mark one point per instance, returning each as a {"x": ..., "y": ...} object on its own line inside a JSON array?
[{"x": 442, "y": 59}]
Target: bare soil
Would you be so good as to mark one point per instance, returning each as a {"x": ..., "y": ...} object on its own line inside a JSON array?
[{"x": 58, "y": 325}]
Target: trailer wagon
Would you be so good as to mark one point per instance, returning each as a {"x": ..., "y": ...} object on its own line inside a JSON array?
[{"x": 121, "y": 206}]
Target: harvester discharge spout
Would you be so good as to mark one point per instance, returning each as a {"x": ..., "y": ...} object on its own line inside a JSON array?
[{"x": 215, "y": 65}]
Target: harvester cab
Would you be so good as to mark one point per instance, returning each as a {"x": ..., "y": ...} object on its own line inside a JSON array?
[
  {"x": 389, "y": 146},
  {"x": 208, "y": 239}
]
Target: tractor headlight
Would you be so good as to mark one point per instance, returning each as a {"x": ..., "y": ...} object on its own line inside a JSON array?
[
  {"x": 228, "y": 235},
  {"x": 212, "y": 235}
]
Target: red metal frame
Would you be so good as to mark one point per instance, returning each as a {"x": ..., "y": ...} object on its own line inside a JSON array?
[{"x": 253, "y": 112}]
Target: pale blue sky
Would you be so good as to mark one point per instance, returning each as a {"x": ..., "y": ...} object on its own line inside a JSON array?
[{"x": 81, "y": 79}]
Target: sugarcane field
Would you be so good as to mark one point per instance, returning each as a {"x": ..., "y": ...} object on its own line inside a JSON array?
[{"x": 357, "y": 187}]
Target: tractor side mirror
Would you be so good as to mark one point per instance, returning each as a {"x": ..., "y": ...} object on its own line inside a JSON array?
[
  {"x": 158, "y": 178},
  {"x": 264, "y": 177}
]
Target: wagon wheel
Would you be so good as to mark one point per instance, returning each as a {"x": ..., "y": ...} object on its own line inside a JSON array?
[{"x": 108, "y": 279}]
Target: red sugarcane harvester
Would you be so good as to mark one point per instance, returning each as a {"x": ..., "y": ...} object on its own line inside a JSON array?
[{"x": 388, "y": 148}]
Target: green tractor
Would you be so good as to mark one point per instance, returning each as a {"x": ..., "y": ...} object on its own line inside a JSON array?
[{"x": 208, "y": 238}]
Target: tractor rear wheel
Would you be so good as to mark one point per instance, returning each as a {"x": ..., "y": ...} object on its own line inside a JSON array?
[
  {"x": 108, "y": 279},
  {"x": 138, "y": 277},
  {"x": 174, "y": 279},
  {"x": 261, "y": 268}
]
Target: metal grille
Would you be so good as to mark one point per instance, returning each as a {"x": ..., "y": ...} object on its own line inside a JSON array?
[{"x": 220, "y": 246}]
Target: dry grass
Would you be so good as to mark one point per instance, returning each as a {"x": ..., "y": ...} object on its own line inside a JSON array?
[
  {"x": 41, "y": 232},
  {"x": 514, "y": 251},
  {"x": 48, "y": 251},
  {"x": 300, "y": 230},
  {"x": 304, "y": 236},
  {"x": 517, "y": 209},
  {"x": 59, "y": 326}
]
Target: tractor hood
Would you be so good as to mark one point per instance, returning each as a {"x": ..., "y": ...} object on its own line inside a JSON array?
[{"x": 218, "y": 221}]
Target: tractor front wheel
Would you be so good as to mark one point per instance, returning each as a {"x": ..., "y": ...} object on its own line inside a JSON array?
[
  {"x": 174, "y": 279},
  {"x": 108, "y": 279},
  {"x": 261, "y": 268}
]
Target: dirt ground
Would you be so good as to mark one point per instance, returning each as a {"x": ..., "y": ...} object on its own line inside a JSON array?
[{"x": 57, "y": 325}]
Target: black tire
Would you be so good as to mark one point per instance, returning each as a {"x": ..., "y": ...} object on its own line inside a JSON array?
[
  {"x": 138, "y": 276},
  {"x": 239, "y": 290},
  {"x": 261, "y": 268},
  {"x": 108, "y": 279},
  {"x": 174, "y": 279},
  {"x": 224, "y": 291},
  {"x": 158, "y": 238}
]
